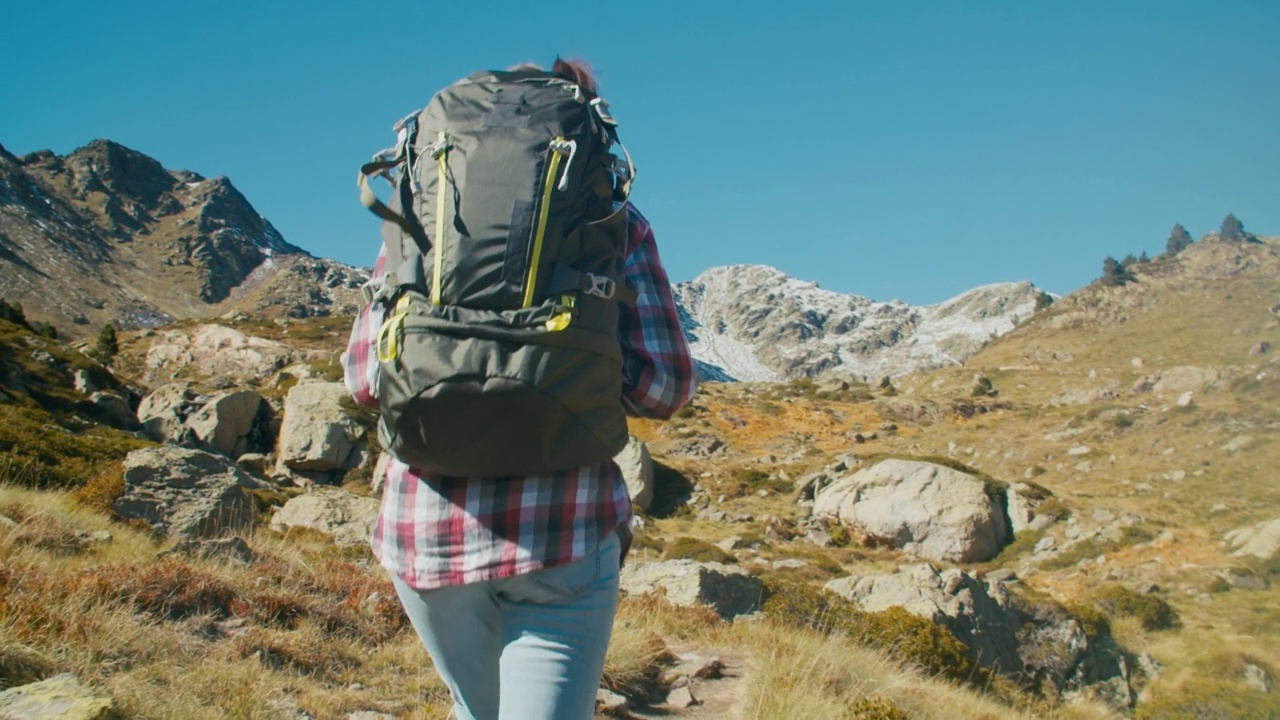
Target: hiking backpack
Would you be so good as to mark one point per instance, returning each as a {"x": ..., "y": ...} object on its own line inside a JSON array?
[{"x": 505, "y": 233}]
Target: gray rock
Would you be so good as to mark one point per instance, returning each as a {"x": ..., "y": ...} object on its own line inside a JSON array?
[
  {"x": 231, "y": 548},
  {"x": 345, "y": 517},
  {"x": 83, "y": 382},
  {"x": 183, "y": 493},
  {"x": 163, "y": 413},
  {"x": 637, "y": 469},
  {"x": 225, "y": 422},
  {"x": 611, "y": 704},
  {"x": 1261, "y": 540},
  {"x": 1257, "y": 678},
  {"x": 973, "y": 610},
  {"x": 317, "y": 433},
  {"x": 61, "y": 696},
  {"x": 731, "y": 591},
  {"x": 116, "y": 409},
  {"x": 924, "y": 509},
  {"x": 1242, "y": 579}
]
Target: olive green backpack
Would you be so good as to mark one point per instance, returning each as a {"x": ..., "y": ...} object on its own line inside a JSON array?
[{"x": 505, "y": 233}]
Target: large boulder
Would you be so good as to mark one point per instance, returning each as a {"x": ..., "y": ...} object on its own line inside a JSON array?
[
  {"x": 163, "y": 412},
  {"x": 637, "y": 468},
  {"x": 1261, "y": 541},
  {"x": 318, "y": 434},
  {"x": 227, "y": 422},
  {"x": 185, "y": 493},
  {"x": 731, "y": 591},
  {"x": 345, "y": 517},
  {"x": 61, "y": 696},
  {"x": 922, "y": 508}
]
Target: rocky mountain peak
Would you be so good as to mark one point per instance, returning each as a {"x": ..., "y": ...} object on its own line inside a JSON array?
[
  {"x": 146, "y": 245},
  {"x": 754, "y": 322}
]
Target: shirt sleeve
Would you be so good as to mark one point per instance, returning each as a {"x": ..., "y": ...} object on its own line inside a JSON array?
[
  {"x": 658, "y": 372},
  {"x": 360, "y": 362}
]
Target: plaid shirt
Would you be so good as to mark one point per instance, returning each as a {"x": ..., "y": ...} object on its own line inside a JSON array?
[{"x": 436, "y": 531}]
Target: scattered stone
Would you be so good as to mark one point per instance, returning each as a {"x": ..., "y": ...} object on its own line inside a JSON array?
[
  {"x": 1004, "y": 575},
  {"x": 1240, "y": 578},
  {"x": 1079, "y": 450},
  {"x": 61, "y": 696},
  {"x": 1262, "y": 348},
  {"x": 1045, "y": 543},
  {"x": 1237, "y": 443},
  {"x": 731, "y": 543},
  {"x": 1186, "y": 399},
  {"x": 611, "y": 704},
  {"x": 681, "y": 697}
]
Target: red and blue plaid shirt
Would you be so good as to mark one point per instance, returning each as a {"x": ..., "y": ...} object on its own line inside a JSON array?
[{"x": 435, "y": 531}]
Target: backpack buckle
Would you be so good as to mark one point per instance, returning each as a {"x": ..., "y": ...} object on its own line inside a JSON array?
[{"x": 600, "y": 286}]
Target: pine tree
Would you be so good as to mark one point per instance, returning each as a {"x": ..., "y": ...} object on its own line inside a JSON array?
[
  {"x": 1232, "y": 229},
  {"x": 106, "y": 347},
  {"x": 1114, "y": 272},
  {"x": 1179, "y": 240}
]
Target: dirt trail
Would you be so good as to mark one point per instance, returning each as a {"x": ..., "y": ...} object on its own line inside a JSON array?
[{"x": 719, "y": 695}]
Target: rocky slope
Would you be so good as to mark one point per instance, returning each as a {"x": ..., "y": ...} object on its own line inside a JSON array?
[
  {"x": 752, "y": 322},
  {"x": 107, "y": 234}
]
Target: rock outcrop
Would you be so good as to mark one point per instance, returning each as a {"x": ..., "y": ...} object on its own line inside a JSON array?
[
  {"x": 1261, "y": 541},
  {"x": 185, "y": 493},
  {"x": 318, "y": 434},
  {"x": 345, "y": 517},
  {"x": 731, "y": 591},
  {"x": 752, "y": 322},
  {"x": 921, "y": 508},
  {"x": 61, "y": 696}
]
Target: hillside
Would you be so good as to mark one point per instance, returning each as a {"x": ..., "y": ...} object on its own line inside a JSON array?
[
  {"x": 106, "y": 234},
  {"x": 1140, "y": 418}
]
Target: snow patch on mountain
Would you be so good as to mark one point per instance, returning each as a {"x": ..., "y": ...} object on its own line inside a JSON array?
[{"x": 754, "y": 323}]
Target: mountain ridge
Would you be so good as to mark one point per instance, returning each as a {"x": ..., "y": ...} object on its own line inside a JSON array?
[
  {"x": 754, "y": 322},
  {"x": 106, "y": 234}
]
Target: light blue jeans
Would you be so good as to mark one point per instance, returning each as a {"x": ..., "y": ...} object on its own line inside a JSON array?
[{"x": 529, "y": 647}]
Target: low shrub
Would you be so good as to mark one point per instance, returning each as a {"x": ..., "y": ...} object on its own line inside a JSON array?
[
  {"x": 1150, "y": 610},
  {"x": 695, "y": 549},
  {"x": 755, "y": 479},
  {"x": 877, "y": 708},
  {"x": 168, "y": 588},
  {"x": 909, "y": 638}
]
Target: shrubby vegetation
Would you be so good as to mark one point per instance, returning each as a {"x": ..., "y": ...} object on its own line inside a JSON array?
[{"x": 913, "y": 640}]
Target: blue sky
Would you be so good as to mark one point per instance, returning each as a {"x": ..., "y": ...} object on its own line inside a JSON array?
[{"x": 907, "y": 150}]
